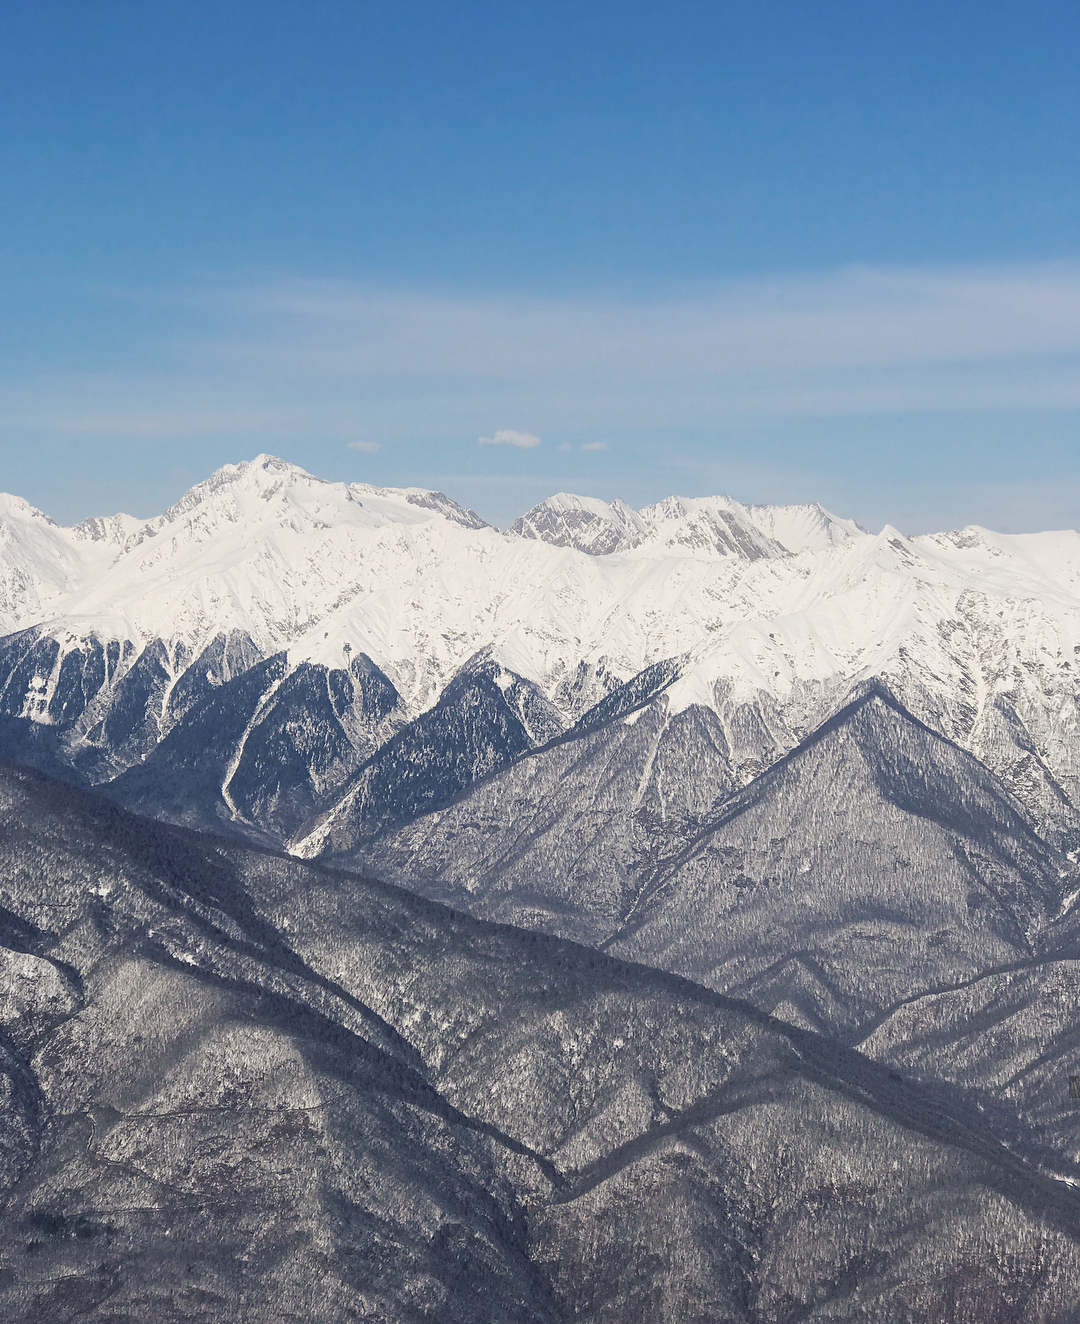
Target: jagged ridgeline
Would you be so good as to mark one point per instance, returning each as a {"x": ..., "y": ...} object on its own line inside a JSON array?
[
  {"x": 306, "y": 662},
  {"x": 829, "y": 777}
]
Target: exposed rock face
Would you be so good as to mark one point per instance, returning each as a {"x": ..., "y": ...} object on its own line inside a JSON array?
[
  {"x": 584, "y": 523},
  {"x": 713, "y": 525},
  {"x": 241, "y": 1087}
]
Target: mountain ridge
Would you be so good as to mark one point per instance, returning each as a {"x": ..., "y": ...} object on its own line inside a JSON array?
[
  {"x": 977, "y": 633},
  {"x": 925, "y": 858}
]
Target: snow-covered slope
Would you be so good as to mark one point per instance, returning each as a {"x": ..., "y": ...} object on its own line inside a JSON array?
[
  {"x": 802, "y": 528},
  {"x": 114, "y": 630},
  {"x": 262, "y": 547},
  {"x": 42, "y": 564},
  {"x": 680, "y": 526}
]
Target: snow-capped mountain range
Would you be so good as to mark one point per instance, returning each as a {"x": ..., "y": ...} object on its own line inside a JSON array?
[
  {"x": 828, "y": 774},
  {"x": 354, "y": 610},
  {"x": 406, "y": 576}
]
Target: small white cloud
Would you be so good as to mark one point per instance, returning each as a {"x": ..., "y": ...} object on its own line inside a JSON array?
[
  {"x": 508, "y": 437},
  {"x": 368, "y": 447},
  {"x": 565, "y": 446},
  {"x": 595, "y": 446}
]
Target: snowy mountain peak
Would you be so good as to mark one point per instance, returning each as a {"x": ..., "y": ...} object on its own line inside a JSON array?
[
  {"x": 585, "y": 523},
  {"x": 676, "y": 526},
  {"x": 677, "y": 507},
  {"x": 806, "y": 527},
  {"x": 708, "y": 526},
  {"x": 238, "y": 492},
  {"x": 269, "y": 491},
  {"x": 40, "y": 562},
  {"x": 15, "y": 508},
  {"x": 443, "y": 505},
  {"x": 114, "y": 529},
  {"x": 681, "y": 526}
]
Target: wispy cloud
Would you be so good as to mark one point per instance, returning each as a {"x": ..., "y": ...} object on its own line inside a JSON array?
[
  {"x": 523, "y": 441},
  {"x": 301, "y": 358},
  {"x": 861, "y": 378},
  {"x": 367, "y": 447},
  {"x": 856, "y": 340}
]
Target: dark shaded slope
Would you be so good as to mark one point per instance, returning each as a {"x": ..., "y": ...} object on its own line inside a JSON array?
[
  {"x": 92, "y": 708},
  {"x": 39, "y": 716},
  {"x": 485, "y": 719},
  {"x": 252, "y": 1089},
  {"x": 181, "y": 780},
  {"x": 875, "y": 860},
  {"x": 558, "y": 841},
  {"x": 260, "y": 753},
  {"x": 227, "y": 740},
  {"x": 315, "y": 731}
]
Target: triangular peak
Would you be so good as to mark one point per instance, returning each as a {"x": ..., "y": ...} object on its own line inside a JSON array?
[
  {"x": 563, "y": 502},
  {"x": 16, "y": 508},
  {"x": 111, "y": 529},
  {"x": 587, "y": 524},
  {"x": 805, "y": 527},
  {"x": 268, "y": 489}
]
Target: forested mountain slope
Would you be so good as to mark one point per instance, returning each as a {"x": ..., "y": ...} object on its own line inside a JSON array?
[
  {"x": 875, "y": 861},
  {"x": 239, "y": 1086}
]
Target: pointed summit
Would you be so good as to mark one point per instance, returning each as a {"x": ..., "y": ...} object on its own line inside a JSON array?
[
  {"x": 876, "y": 858},
  {"x": 586, "y": 523},
  {"x": 807, "y": 527}
]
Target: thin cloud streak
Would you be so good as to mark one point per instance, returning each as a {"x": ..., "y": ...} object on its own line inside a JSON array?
[
  {"x": 301, "y": 358},
  {"x": 860, "y": 317}
]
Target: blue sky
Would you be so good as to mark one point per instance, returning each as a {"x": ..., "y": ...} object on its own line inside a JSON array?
[{"x": 790, "y": 251}]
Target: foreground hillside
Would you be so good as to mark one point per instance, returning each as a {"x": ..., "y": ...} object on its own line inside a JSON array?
[{"x": 241, "y": 1087}]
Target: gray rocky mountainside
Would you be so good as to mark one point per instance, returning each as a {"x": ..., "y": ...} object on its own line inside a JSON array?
[
  {"x": 238, "y": 1086},
  {"x": 876, "y": 861}
]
